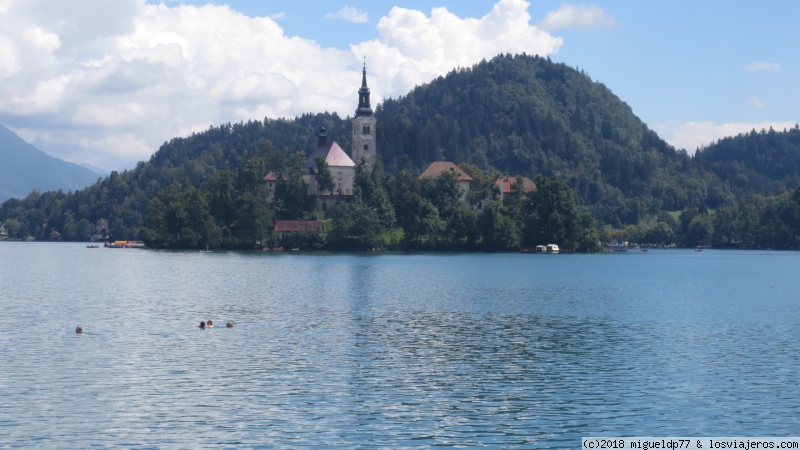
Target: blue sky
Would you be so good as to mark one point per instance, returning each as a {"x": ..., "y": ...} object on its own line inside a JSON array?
[{"x": 108, "y": 81}]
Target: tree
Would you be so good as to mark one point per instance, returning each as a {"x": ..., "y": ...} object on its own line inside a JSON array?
[
  {"x": 324, "y": 178},
  {"x": 292, "y": 201},
  {"x": 700, "y": 231},
  {"x": 499, "y": 231},
  {"x": 254, "y": 219},
  {"x": 355, "y": 226},
  {"x": 370, "y": 187},
  {"x": 221, "y": 197},
  {"x": 554, "y": 217}
]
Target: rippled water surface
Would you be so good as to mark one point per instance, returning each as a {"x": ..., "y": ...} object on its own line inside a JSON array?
[{"x": 393, "y": 350}]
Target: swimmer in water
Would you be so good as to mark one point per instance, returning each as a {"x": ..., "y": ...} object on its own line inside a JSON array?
[
  {"x": 209, "y": 324},
  {"x": 79, "y": 329},
  {"x": 229, "y": 324},
  {"x": 202, "y": 325}
]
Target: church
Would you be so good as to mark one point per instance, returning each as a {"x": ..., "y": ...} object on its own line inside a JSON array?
[{"x": 341, "y": 167}]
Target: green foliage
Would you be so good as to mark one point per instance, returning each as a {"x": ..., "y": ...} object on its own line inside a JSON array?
[
  {"x": 370, "y": 188},
  {"x": 324, "y": 177},
  {"x": 500, "y": 232},
  {"x": 178, "y": 217},
  {"x": 526, "y": 115},
  {"x": 596, "y": 165},
  {"x": 356, "y": 226},
  {"x": 764, "y": 162},
  {"x": 291, "y": 192},
  {"x": 554, "y": 216}
]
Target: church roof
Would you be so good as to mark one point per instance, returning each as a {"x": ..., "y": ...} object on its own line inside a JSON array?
[
  {"x": 363, "y": 96},
  {"x": 332, "y": 154},
  {"x": 436, "y": 168}
]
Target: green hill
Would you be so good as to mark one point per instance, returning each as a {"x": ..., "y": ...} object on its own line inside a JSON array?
[
  {"x": 527, "y": 115},
  {"x": 516, "y": 115},
  {"x": 764, "y": 162}
]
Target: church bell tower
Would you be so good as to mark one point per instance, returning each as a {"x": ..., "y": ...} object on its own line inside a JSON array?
[{"x": 364, "y": 129}]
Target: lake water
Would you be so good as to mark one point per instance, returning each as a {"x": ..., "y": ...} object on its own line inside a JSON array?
[{"x": 393, "y": 350}]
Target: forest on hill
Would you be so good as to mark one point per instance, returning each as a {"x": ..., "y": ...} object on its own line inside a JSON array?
[{"x": 598, "y": 167}]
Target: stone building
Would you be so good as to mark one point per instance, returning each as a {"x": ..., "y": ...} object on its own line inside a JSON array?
[
  {"x": 436, "y": 168},
  {"x": 364, "y": 127},
  {"x": 340, "y": 166}
]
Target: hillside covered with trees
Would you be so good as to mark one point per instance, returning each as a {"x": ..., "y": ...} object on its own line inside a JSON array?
[{"x": 596, "y": 166}]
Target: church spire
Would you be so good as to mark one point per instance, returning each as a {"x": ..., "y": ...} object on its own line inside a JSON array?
[{"x": 363, "y": 95}]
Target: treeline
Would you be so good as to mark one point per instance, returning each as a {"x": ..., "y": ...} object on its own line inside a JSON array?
[
  {"x": 527, "y": 115},
  {"x": 750, "y": 222},
  {"x": 765, "y": 162},
  {"x": 387, "y": 211},
  {"x": 519, "y": 114},
  {"x": 231, "y": 210}
]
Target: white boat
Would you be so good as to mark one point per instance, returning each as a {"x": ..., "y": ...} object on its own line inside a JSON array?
[
  {"x": 552, "y": 248},
  {"x": 616, "y": 247}
]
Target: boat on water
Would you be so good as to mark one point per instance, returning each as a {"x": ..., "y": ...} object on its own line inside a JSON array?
[
  {"x": 125, "y": 244},
  {"x": 552, "y": 248},
  {"x": 617, "y": 247}
]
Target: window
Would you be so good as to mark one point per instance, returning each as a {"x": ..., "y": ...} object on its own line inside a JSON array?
[
  {"x": 366, "y": 129},
  {"x": 366, "y": 147}
]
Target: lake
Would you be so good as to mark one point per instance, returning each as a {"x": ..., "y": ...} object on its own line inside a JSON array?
[{"x": 393, "y": 350}]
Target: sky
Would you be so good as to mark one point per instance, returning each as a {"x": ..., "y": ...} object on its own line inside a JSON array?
[{"x": 106, "y": 82}]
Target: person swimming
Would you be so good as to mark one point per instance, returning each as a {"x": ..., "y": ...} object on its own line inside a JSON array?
[
  {"x": 202, "y": 325},
  {"x": 209, "y": 324},
  {"x": 79, "y": 329},
  {"x": 229, "y": 324}
]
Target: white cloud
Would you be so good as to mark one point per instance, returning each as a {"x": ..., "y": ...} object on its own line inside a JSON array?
[
  {"x": 756, "y": 103},
  {"x": 131, "y": 75},
  {"x": 760, "y": 66},
  {"x": 350, "y": 14},
  {"x": 412, "y": 48},
  {"x": 693, "y": 135},
  {"x": 577, "y": 16},
  {"x": 124, "y": 146}
]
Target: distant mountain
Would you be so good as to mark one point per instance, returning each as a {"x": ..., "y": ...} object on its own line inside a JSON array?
[
  {"x": 24, "y": 168},
  {"x": 99, "y": 171}
]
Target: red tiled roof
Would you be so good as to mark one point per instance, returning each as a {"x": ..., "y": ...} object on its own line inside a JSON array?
[
  {"x": 332, "y": 154},
  {"x": 436, "y": 168},
  {"x": 508, "y": 184},
  {"x": 300, "y": 225},
  {"x": 272, "y": 176}
]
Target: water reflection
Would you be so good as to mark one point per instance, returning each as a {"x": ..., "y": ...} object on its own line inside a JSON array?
[{"x": 391, "y": 350}]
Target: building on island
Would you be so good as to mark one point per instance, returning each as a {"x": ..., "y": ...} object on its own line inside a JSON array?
[
  {"x": 437, "y": 168},
  {"x": 272, "y": 180},
  {"x": 285, "y": 227},
  {"x": 364, "y": 127},
  {"x": 508, "y": 185},
  {"x": 341, "y": 168}
]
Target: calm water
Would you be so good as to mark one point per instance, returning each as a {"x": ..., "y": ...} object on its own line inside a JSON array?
[{"x": 390, "y": 350}]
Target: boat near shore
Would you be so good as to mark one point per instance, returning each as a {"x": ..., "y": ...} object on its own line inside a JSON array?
[{"x": 125, "y": 244}]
